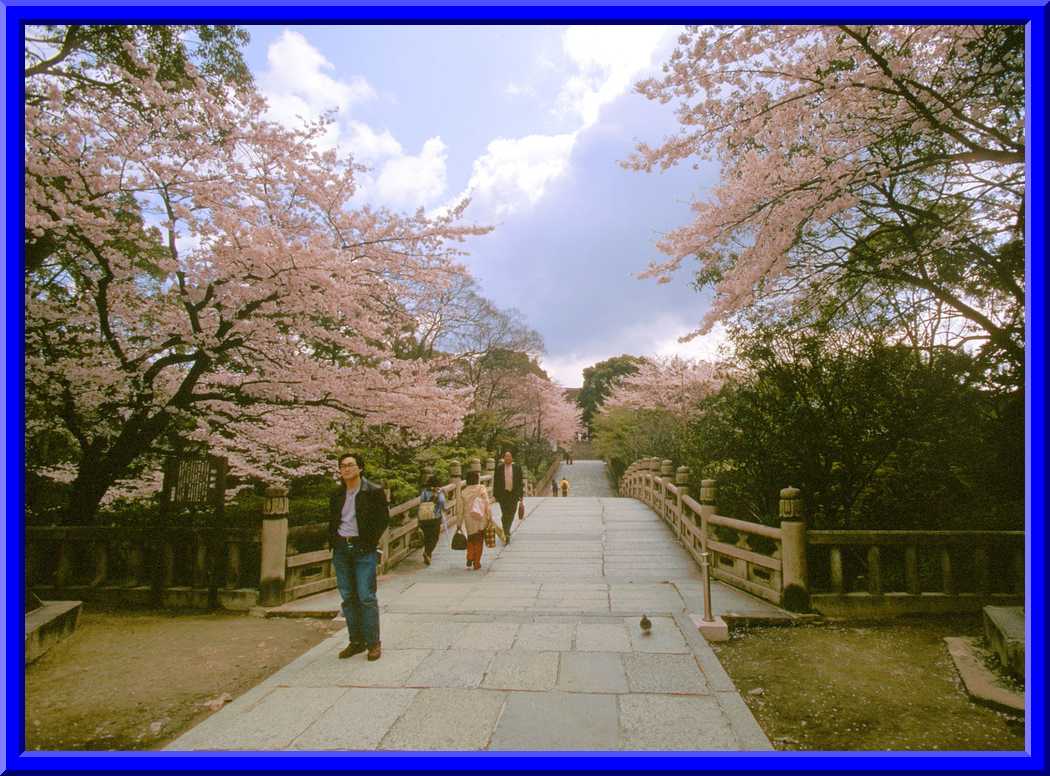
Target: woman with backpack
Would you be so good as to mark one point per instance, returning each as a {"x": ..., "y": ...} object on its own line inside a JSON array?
[
  {"x": 474, "y": 516},
  {"x": 431, "y": 510}
]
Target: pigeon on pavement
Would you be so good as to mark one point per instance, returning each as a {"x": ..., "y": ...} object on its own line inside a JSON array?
[{"x": 646, "y": 625}]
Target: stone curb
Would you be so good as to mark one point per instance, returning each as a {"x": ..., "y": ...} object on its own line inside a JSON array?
[{"x": 980, "y": 683}]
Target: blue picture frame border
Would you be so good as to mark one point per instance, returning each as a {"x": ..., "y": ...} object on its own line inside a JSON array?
[{"x": 1033, "y": 14}]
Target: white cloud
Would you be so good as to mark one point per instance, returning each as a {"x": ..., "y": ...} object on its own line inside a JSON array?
[
  {"x": 414, "y": 181},
  {"x": 515, "y": 173},
  {"x": 568, "y": 370},
  {"x": 609, "y": 59},
  {"x": 368, "y": 145},
  {"x": 654, "y": 337},
  {"x": 296, "y": 85},
  {"x": 705, "y": 347}
]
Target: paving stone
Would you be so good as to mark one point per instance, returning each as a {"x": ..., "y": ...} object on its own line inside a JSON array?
[
  {"x": 678, "y": 722},
  {"x": 592, "y": 672},
  {"x": 389, "y": 671},
  {"x": 602, "y": 638},
  {"x": 540, "y": 651},
  {"x": 446, "y": 719},
  {"x": 270, "y": 724},
  {"x": 487, "y": 636},
  {"x": 415, "y": 634},
  {"x": 557, "y": 721},
  {"x": 358, "y": 720},
  {"x": 451, "y": 668},
  {"x": 661, "y": 673},
  {"x": 663, "y": 637},
  {"x": 541, "y": 637},
  {"x": 749, "y": 735},
  {"x": 521, "y": 670}
]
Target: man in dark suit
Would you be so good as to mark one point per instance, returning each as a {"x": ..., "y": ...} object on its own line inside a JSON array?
[
  {"x": 508, "y": 487},
  {"x": 357, "y": 516}
]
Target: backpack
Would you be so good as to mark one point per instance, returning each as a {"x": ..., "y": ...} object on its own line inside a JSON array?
[
  {"x": 428, "y": 503},
  {"x": 477, "y": 508}
]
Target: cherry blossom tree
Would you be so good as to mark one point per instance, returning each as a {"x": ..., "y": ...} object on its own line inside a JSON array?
[
  {"x": 543, "y": 411},
  {"x": 674, "y": 385},
  {"x": 207, "y": 280},
  {"x": 857, "y": 161}
]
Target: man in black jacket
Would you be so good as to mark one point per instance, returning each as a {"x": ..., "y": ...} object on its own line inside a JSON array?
[
  {"x": 357, "y": 516},
  {"x": 508, "y": 486}
]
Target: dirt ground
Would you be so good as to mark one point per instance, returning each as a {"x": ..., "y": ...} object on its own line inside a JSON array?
[
  {"x": 136, "y": 680},
  {"x": 864, "y": 686}
]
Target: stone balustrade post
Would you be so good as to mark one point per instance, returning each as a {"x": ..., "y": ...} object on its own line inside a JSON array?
[
  {"x": 793, "y": 533},
  {"x": 708, "y": 494},
  {"x": 666, "y": 477},
  {"x": 681, "y": 481},
  {"x": 274, "y": 549}
]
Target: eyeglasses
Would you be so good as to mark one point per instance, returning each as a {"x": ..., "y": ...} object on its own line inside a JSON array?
[{"x": 348, "y": 466}]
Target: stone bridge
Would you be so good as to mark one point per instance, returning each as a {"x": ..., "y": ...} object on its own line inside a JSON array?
[{"x": 541, "y": 650}]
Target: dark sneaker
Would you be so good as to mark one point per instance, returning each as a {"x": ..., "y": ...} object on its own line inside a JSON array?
[
  {"x": 352, "y": 649},
  {"x": 426, "y": 559},
  {"x": 375, "y": 651}
]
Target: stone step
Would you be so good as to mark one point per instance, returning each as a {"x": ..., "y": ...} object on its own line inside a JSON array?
[
  {"x": 1004, "y": 630},
  {"x": 48, "y": 624}
]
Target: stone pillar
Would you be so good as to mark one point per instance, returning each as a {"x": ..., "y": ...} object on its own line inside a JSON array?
[
  {"x": 708, "y": 494},
  {"x": 793, "y": 531},
  {"x": 681, "y": 481},
  {"x": 274, "y": 541},
  {"x": 664, "y": 495}
]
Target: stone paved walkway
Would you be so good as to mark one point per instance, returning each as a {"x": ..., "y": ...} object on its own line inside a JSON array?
[{"x": 540, "y": 650}]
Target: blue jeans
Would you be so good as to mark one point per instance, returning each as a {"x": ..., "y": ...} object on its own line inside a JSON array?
[{"x": 355, "y": 576}]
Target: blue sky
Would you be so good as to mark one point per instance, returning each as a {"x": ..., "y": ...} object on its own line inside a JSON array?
[{"x": 531, "y": 123}]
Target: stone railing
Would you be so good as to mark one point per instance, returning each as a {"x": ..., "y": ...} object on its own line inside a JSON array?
[
  {"x": 194, "y": 567},
  {"x": 838, "y": 573},
  {"x": 543, "y": 485},
  {"x": 288, "y": 574},
  {"x": 166, "y": 567}
]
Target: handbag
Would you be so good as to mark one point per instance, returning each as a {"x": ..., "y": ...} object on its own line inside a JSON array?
[
  {"x": 490, "y": 535},
  {"x": 459, "y": 540},
  {"x": 521, "y": 510}
]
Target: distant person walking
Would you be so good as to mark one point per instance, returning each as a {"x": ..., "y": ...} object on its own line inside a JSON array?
[
  {"x": 431, "y": 511},
  {"x": 474, "y": 514},
  {"x": 564, "y": 487},
  {"x": 358, "y": 514},
  {"x": 508, "y": 486},
  {"x": 554, "y": 487}
]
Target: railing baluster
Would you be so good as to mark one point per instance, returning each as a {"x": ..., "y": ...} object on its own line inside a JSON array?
[
  {"x": 980, "y": 569},
  {"x": 947, "y": 578},
  {"x": 1018, "y": 568},
  {"x": 136, "y": 563},
  {"x": 837, "y": 582},
  {"x": 100, "y": 554},
  {"x": 874, "y": 571},
  {"x": 62, "y": 567},
  {"x": 911, "y": 569},
  {"x": 233, "y": 564}
]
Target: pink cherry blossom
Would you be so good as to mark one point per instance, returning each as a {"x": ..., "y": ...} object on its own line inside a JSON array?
[{"x": 208, "y": 279}]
